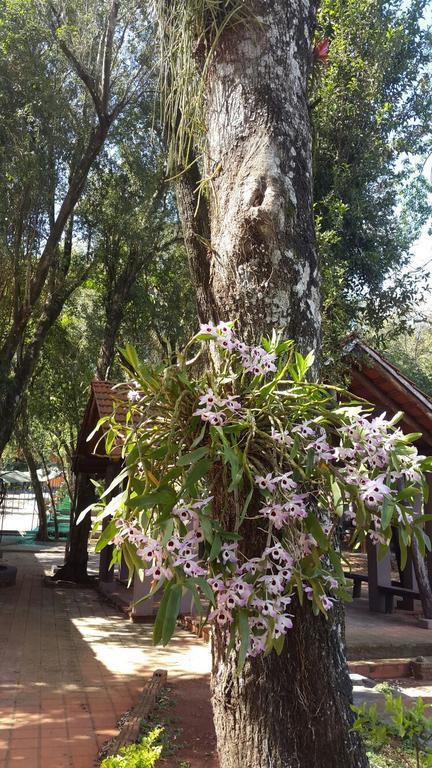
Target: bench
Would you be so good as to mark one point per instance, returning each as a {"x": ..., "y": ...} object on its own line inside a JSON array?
[
  {"x": 395, "y": 591},
  {"x": 357, "y": 579}
]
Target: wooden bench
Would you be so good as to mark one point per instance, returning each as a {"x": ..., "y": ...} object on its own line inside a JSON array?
[
  {"x": 395, "y": 591},
  {"x": 357, "y": 579}
]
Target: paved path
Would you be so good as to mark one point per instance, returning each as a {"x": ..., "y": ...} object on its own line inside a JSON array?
[{"x": 70, "y": 666}]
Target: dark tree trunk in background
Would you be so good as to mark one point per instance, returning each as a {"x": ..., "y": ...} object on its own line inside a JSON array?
[
  {"x": 42, "y": 534},
  {"x": 15, "y": 374},
  {"x": 422, "y": 576},
  {"x": 291, "y": 711},
  {"x": 76, "y": 559},
  {"x": 23, "y": 440},
  {"x": 76, "y": 555}
]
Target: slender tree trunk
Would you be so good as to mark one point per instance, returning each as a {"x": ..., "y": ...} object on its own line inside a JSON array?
[
  {"x": 422, "y": 576},
  {"x": 76, "y": 557},
  {"x": 14, "y": 380},
  {"x": 291, "y": 711},
  {"x": 55, "y": 518},
  {"x": 114, "y": 318},
  {"x": 42, "y": 534}
]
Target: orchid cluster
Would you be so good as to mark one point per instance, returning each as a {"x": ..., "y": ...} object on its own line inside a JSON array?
[
  {"x": 251, "y": 451},
  {"x": 255, "y": 360}
]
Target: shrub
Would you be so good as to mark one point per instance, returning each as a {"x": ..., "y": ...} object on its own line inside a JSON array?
[{"x": 408, "y": 731}]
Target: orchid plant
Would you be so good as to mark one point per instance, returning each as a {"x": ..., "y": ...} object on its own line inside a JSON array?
[{"x": 236, "y": 477}]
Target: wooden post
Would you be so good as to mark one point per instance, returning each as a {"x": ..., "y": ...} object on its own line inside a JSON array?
[
  {"x": 379, "y": 574},
  {"x": 428, "y": 525},
  {"x": 106, "y": 574},
  {"x": 408, "y": 581}
]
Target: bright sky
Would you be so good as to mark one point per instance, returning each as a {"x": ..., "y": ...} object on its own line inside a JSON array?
[{"x": 422, "y": 248}]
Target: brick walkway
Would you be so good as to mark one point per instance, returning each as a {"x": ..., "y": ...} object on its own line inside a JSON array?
[{"x": 70, "y": 667}]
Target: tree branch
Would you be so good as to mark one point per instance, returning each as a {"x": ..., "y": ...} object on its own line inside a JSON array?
[{"x": 79, "y": 68}]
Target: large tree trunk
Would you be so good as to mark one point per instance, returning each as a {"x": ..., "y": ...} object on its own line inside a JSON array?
[
  {"x": 288, "y": 711},
  {"x": 291, "y": 711}
]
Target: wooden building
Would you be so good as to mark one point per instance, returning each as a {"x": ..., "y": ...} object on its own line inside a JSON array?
[
  {"x": 91, "y": 460},
  {"x": 380, "y": 382}
]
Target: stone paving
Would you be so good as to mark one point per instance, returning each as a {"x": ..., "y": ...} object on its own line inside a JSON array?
[
  {"x": 70, "y": 667},
  {"x": 380, "y": 635}
]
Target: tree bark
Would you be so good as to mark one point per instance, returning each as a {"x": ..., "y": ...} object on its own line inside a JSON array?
[
  {"x": 288, "y": 711},
  {"x": 422, "y": 576},
  {"x": 42, "y": 534},
  {"x": 13, "y": 385},
  {"x": 76, "y": 559},
  {"x": 291, "y": 711}
]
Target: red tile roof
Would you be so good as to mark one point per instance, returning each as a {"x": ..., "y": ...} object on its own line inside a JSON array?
[{"x": 105, "y": 397}]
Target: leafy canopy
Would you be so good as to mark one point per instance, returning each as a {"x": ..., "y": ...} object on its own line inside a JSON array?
[{"x": 372, "y": 106}]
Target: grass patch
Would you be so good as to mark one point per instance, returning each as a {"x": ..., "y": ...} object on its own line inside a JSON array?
[
  {"x": 158, "y": 738},
  {"x": 161, "y": 718},
  {"x": 392, "y": 757},
  {"x": 142, "y": 755}
]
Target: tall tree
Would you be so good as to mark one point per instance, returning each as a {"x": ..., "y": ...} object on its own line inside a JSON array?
[
  {"x": 410, "y": 351},
  {"x": 23, "y": 437},
  {"x": 136, "y": 240},
  {"x": 69, "y": 71},
  {"x": 246, "y": 209},
  {"x": 372, "y": 103}
]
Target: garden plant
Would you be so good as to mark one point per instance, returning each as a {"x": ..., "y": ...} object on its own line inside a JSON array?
[
  {"x": 295, "y": 457},
  {"x": 404, "y": 740}
]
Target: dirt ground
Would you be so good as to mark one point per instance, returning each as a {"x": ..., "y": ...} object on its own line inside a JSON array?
[{"x": 192, "y": 715}]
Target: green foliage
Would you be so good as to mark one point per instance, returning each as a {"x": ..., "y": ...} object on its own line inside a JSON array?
[
  {"x": 411, "y": 352},
  {"x": 142, "y": 755},
  {"x": 58, "y": 392},
  {"x": 409, "y": 729},
  {"x": 127, "y": 264},
  {"x": 372, "y": 106}
]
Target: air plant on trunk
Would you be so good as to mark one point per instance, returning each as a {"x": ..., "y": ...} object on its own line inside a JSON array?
[{"x": 295, "y": 457}]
